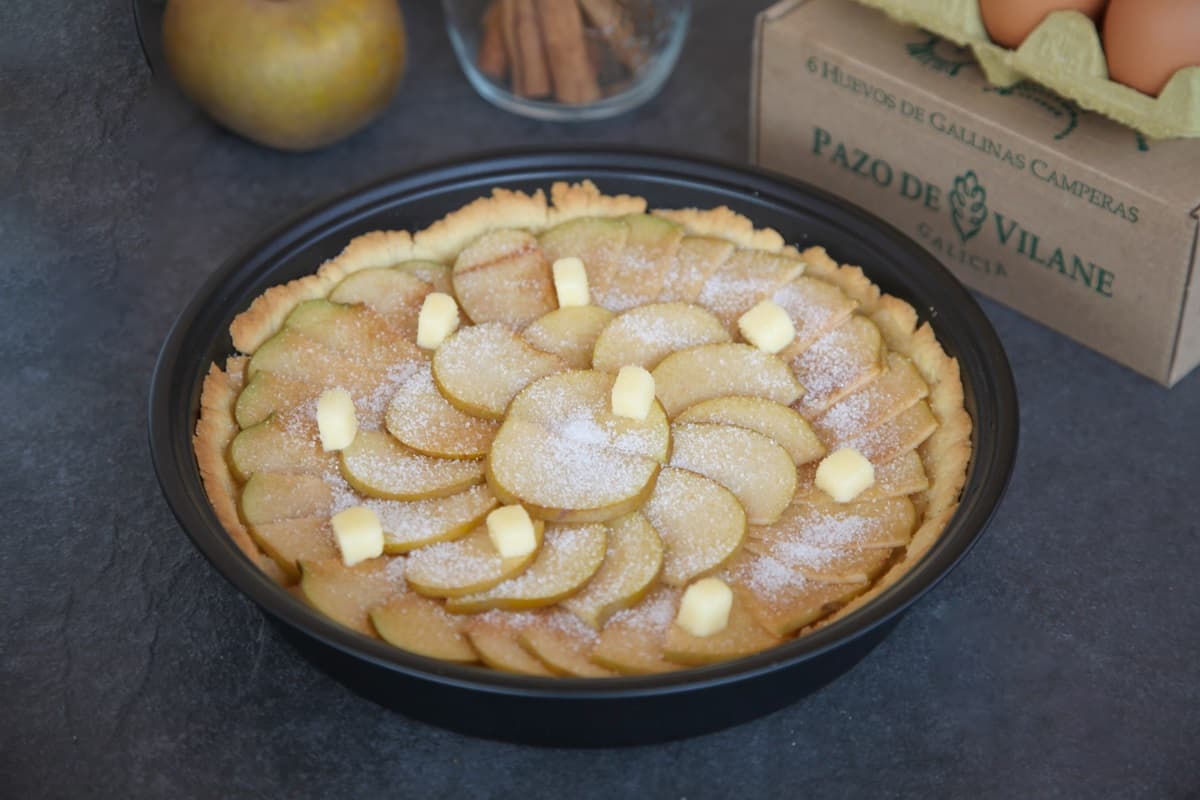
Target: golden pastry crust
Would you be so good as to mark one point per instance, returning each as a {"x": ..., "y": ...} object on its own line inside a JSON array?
[{"x": 946, "y": 453}]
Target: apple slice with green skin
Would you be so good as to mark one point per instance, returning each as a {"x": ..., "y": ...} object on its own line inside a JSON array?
[
  {"x": 358, "y": 333},
  {"x": 697, "y": 258},
  {"x": 779, "y": 423},
  {"x": 569, "y": 333},
  {"x": 897, "y": 388},
  {"x": 275, "y": 496},
  {"x": 816, "y": 521},
  {"x": 903, "y": 475},
  {"x": 563, "y": 645},
  {"x": 481, "y": 368},
  {"x": 759, "y": 472},
  {"x": 290, "y": 541},
  {"x": 631, "y": 567},
  {"x": 267, "y": 393},
  {"x": 646, "y": 335},
  {"x": 465, "y": 566},
  {"x": 577, "y": 405},
  {"x": 815, "y": 308},
  {"x": 632, "y": 641},
  {"x": 783, "y": 600},
  {"x": 379, "y": 466},
  {"x": 436, "y": 274},
  {"x": 634, "y": 276},
  {"x": 742, "y": 636},
  {"x": 408, "y": 525},
  {"x": 347, "y": 594},
  {"x": 421, "y": 418},
  {"x": 748, "y": 277},
  {"x": 290, "y": 354},
  {"x": 700, "y": 522},
  {"x": 897, "y": 436},
  {"x": 565, "y": 480},
  {"x": 722, "y": 370},
  {"x": 839, "y": 363},
  {"x": 598, "y": 241},
  {"x": 395, "y": 295},
  {"x": 503, "y": 277},
  {"x": 498, "y": 647},
  {"x": 420, "y": 625},
  {"x": 282, "y": 443},
  {"x": 567, "y": 559}
]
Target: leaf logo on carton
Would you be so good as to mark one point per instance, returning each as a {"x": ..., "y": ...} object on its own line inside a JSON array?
[{"x": 968, "y": 205}]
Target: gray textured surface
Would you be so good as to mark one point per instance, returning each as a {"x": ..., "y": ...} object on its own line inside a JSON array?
[{"x": 1060, "y": 660}]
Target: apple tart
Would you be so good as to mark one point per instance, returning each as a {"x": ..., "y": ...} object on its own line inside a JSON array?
[{"x": 569, "y": 435}]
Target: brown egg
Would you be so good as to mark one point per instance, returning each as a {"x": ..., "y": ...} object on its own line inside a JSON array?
[
  {"x": 1008, "y": 22},
  {"x": 1148, "y": 41}
]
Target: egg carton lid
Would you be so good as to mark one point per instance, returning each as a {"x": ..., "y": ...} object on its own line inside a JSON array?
[{"x": 1064, "y": 54}]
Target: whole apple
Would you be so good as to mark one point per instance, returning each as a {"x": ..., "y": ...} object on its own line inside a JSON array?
[{"x": 291, "y": 74}]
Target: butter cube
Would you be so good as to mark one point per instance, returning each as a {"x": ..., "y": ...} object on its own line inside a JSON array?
[
  {"x": 511, "y": 531},
  {"x": 359, "y": 534},
  {"x": 336, "y": 420},
  {"x": 437, "y": 320},
  {"x": 571, "y": 283},
  {"x": 845, "y": 474},
  {"x": 633, "y": 393},
  {"x": 704, "y": 609},
  {"x": 767, "y": 326}
]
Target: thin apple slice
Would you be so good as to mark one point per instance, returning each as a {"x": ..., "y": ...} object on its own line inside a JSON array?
[
  {"x": 783, "y": 600},
  {"x": 635, "y": 276},
  {"x": 482, "y": 367},
  {"x": 700, "y": 522},
  {"x": 903, "y": 475},
  {"x": 720, "y": 370},
  {"x": 565, "y": 480},
  {"x": 631, "y": 567},
  {"x": 896, "y": 436},
  {"x": 632, "y": 641},
  {"x": 379, "y": 466},
  {"x": 494, "y": 637},
  {"x": 434, "y": 273},
  {"x": 569, "y": 333},
  {"x": 779, "y": 423},
  {"x": 282, "y": 443},
  {"x": 646, "y": 335},
  {"x": 420, "y": 625},
  {"x": 742, "y": 636},
  {"x": 697, "y": 258},
  {"x": 267, "y": 393},
  {"x": 748, "y": 277},
  {"x": 503, "y": 277},
  {"x": 816, "y": 523},
  {"x": 815, "y": 308},
  {"x": 408, "y": 525},
  {"x": 395, "y": 295},
  {"x": 421, "y": 418},
  {"x": 356, "y": 332},
  {"x": 598, "y": 241},
  {"x": 290, "y": 541},
  {"x": 563, "y": 644},
  {"x": 464, "y": 566},
  {"x": 347, "y": 594},
  {"x": 896, "y": 389},
  {"x": 759, "y": 472},
  {"x": 275, "y": 496},
  {"x": 292, "y": 355},
  {"x": 568, "y": 558},
  {"x": 839, "y": 363},
  {"x": 845, "y": 565},
  {"x": 577, "y": 405}
]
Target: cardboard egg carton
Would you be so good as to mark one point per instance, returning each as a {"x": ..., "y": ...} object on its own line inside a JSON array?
[{"x": 1064, "y": 54}]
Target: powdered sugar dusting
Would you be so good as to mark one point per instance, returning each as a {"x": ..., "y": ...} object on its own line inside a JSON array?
[{"x": 652, "y": 615}]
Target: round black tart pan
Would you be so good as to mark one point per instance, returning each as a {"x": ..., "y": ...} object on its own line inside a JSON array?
[{"x": 573, "y": 711}]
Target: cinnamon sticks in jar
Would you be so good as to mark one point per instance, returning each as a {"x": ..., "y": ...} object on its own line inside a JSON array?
[{"x": 565, "y": 50}]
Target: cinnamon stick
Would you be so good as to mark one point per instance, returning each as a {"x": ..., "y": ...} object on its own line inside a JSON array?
[
  {"x": 609, "y": 18},
  {"x": 492, "y": 58},
  {"x": 571, "y": 70},
  {"x": 526, "y": 52}
]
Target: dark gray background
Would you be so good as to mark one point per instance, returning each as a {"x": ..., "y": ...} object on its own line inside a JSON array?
[{"x": 1060, "y": 660}]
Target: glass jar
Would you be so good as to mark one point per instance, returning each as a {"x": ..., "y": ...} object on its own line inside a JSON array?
[{"x": 567, "y": 60}]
